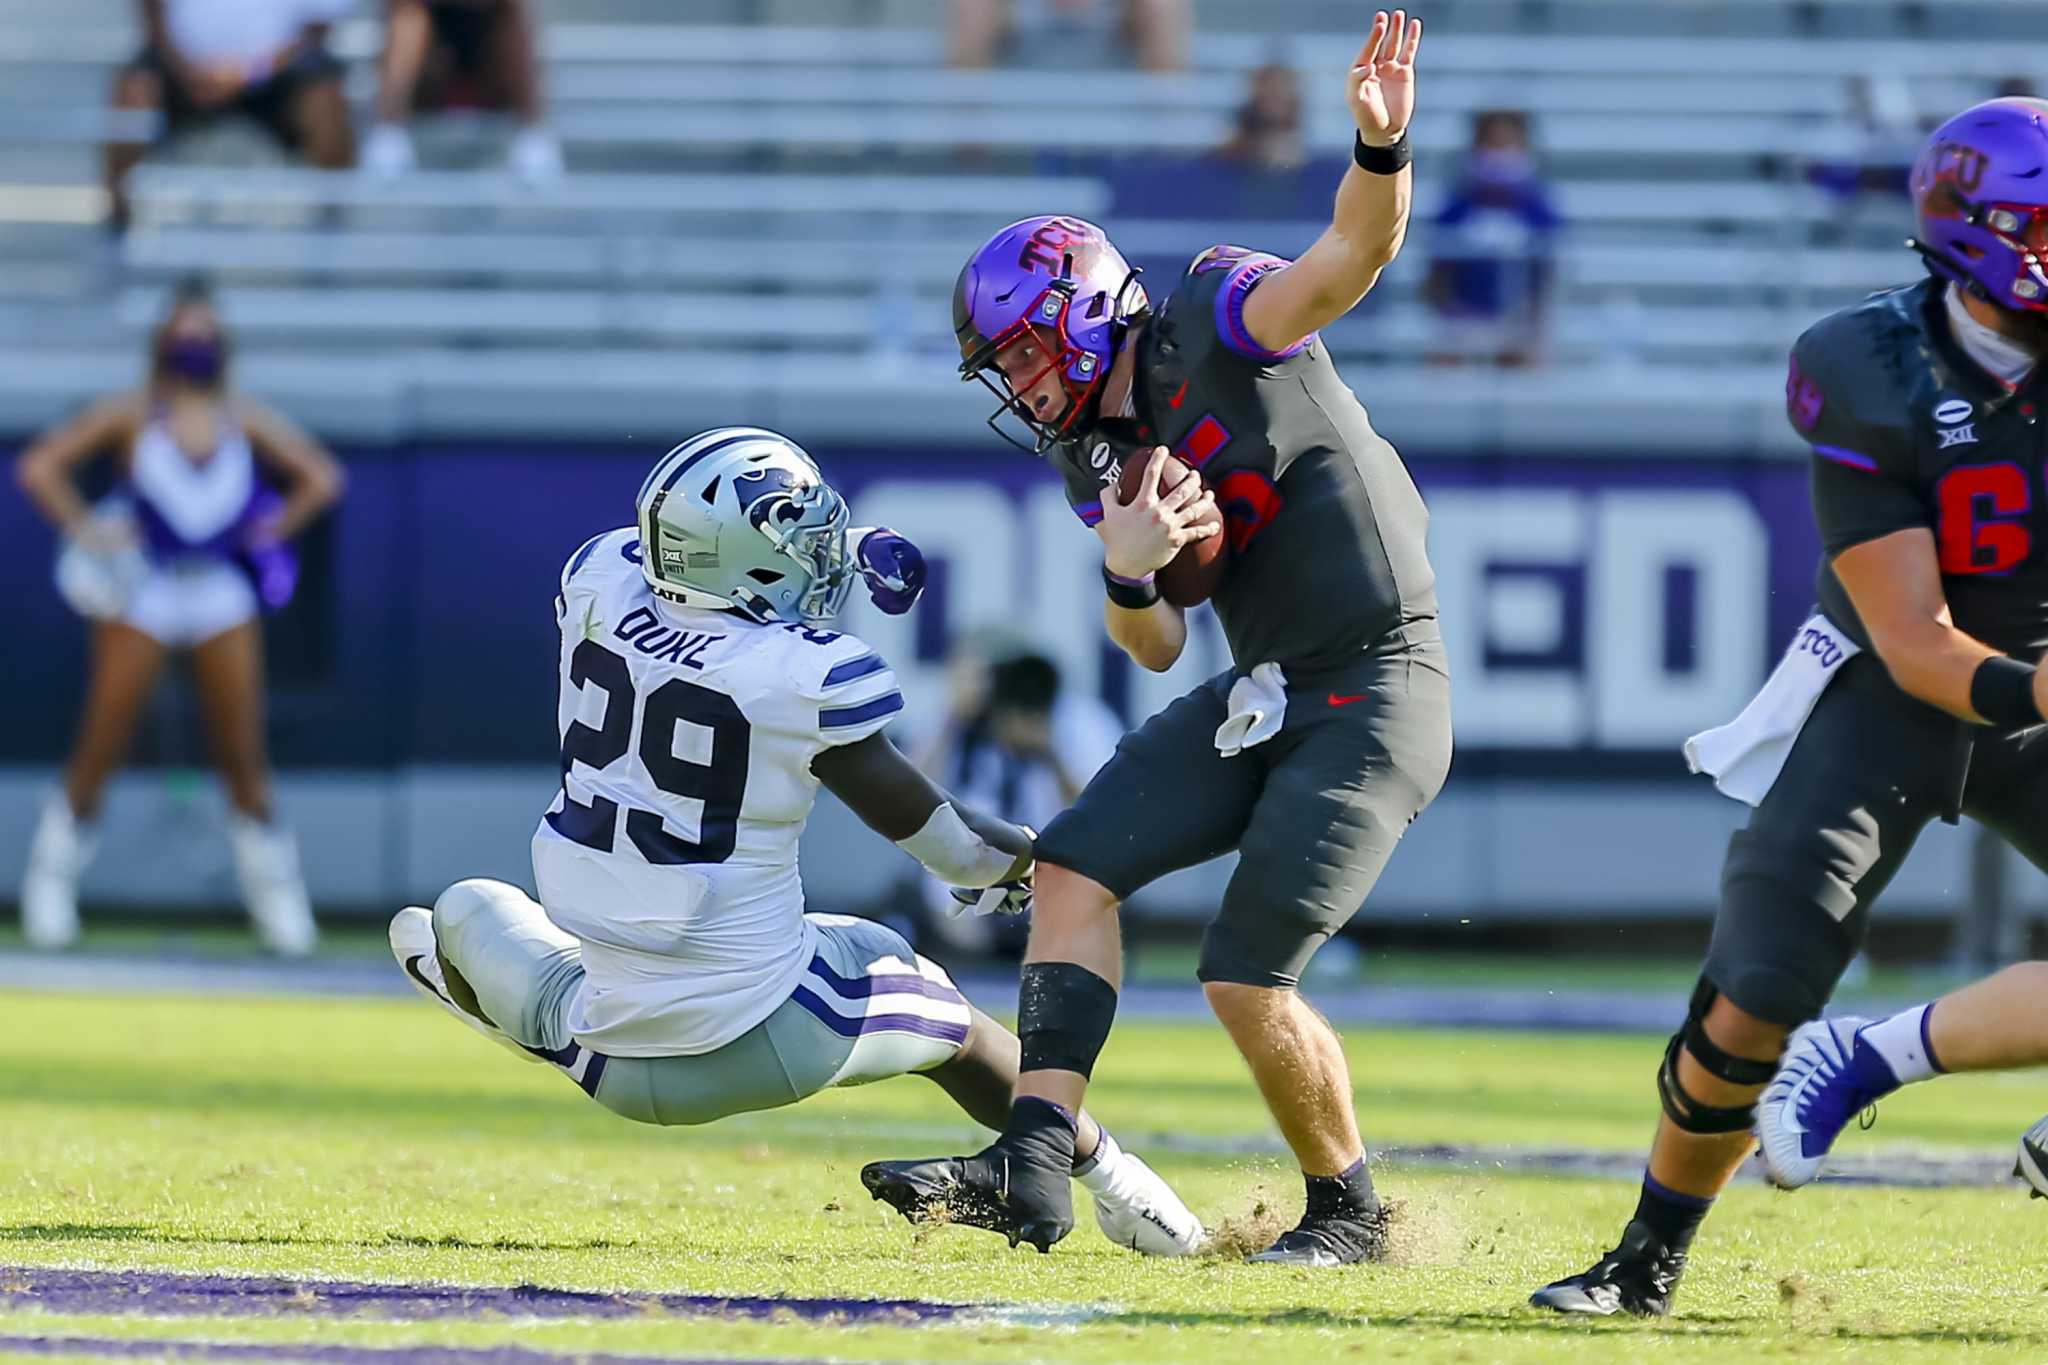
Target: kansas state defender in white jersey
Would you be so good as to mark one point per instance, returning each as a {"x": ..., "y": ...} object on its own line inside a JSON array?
[{"x": 669, "y": 967}]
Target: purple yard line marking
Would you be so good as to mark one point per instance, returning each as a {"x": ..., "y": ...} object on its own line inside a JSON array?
[
  {"x": 159, "y": 1294},
  {"x": 1910, "y": 1170},
  {"x": 338, "y": 1355}
]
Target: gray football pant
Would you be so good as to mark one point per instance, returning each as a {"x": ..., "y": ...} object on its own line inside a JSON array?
[{"x": 866, "y": 1008}]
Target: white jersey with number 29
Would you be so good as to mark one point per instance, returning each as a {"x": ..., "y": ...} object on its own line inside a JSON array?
[{"x": 671, "y": 849}]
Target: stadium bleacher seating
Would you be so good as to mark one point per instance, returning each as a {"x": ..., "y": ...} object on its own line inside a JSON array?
[{"x": 775, "y": 179}]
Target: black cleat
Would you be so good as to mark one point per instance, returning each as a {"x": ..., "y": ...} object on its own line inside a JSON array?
[
  {"x": 994, "y": 1190},
  {"x": 936, "y": 1191},
  {"x": 1636, "y": 1277},
  {"x": 1326, "y": 1240}
]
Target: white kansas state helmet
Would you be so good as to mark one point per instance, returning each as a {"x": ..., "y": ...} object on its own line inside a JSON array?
[{"x": 741, "y": 518}]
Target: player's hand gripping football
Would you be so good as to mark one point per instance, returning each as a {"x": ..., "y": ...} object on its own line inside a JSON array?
[
  {"x": 1143, "y": 535},
  {"x": 1381, "y": 87}
]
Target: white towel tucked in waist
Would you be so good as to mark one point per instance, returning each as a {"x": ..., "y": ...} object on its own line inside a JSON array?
[
  {"x": 1258, "y": 708},
  {"x": 1745, "y": 756}
]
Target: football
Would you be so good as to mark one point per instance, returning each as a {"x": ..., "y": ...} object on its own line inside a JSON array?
[{"x": 1197, "y": 571}]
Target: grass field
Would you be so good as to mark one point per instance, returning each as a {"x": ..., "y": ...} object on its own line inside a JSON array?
[{"x": 377, "y": 1141}]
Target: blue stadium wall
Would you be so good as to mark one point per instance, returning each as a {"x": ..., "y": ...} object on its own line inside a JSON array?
[{"x": 1598, "y": 610}]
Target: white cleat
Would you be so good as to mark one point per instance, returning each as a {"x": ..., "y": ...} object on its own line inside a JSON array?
[
  {"x": 1135, "y": 1208},
  {"x": 418, "y": 954},
  {"x": 2032, "y": 1166},
  {"x": 57, "y": 857},
  {"x": 1808, "y": 1102},
  {"x": 267, "y": 866}
]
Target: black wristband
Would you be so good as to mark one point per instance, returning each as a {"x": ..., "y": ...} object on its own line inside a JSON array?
[
  {"x": 1386, "y": 160},
  {"x": 1133, "y": 594},
  {"x": 2002, "y": 691}
]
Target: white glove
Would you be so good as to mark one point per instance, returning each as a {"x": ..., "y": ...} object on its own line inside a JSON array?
[
  {"x": 535, "y": 156},
  {"x": 1012, "y": 897},
  {"x": 387, "y": 152}
]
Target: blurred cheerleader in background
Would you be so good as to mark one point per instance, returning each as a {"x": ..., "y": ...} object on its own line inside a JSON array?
[{"x": 189, "y": 551}]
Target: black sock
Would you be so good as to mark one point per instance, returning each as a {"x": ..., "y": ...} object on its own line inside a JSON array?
[
  {"x": 1348, "y": 1194},
  {"x": 1674, "y": 1217},
  {"x": 1042, "y": 1130}
]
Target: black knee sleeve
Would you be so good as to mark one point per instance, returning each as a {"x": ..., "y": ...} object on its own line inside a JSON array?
[
  {"x": 1786, "y": 932},
  {"x": 1063, "y": 1016},
  {"x": 1691, "y": 1114}
]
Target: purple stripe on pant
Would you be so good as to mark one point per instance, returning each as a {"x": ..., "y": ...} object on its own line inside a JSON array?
[
  {"x": 877, "y": 1023},
  {"x": 888, "y": 983}
]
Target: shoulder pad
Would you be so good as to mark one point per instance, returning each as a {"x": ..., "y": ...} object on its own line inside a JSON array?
[{"x": 602, "y": 548}]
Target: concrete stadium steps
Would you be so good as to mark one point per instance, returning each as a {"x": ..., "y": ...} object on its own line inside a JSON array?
[
  {"x": 506, "y": 318},
  {"x": 172, "y": 196},
  {"x": 923, "y": 264},
  {"x": 1687, "y": 259}
]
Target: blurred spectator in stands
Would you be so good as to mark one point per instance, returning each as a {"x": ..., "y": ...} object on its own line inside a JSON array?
[
  {"x": 1266, "y": 135},
  {"x": 1490, "y": 258},
  {"x": 204, "y": 60},
  {"x": 1887, "y": 137},
  {"x": 1015, "y": 744},
  {"x": 182, "y": 559},
  {"x": 1153, "y": 33},
  {"x": 1262, "y": 172},
  {"x": 461, "y": 54}
]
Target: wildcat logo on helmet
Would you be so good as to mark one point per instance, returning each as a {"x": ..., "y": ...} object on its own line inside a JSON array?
[
  {"x": 774, "y": 498},
  {"x": 740, "y": 518}
]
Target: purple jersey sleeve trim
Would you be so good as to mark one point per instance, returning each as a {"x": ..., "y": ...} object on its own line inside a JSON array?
[
  {"x": 1842, "y": 455},
  {"x": 1236, "y": 288},
  {"x": 1090, "y": 513}
]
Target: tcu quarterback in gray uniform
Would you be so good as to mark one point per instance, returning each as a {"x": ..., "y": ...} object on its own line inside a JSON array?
[
  {"x": 1314, "y": 752},
  {"x": 669, "y": 967}
]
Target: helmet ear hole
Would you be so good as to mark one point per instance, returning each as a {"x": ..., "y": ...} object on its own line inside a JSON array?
[
  {"x": 765, "y": 577},
  {"x": 711, "y": 489},
  {"x": 1970, "y": 251}
]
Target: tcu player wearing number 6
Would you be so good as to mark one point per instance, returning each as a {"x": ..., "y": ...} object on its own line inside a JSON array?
[
  {"x": 1314, "y": 752},
  {"x": 1914, "y": 695},
  {"x": 669, "y": 968}
]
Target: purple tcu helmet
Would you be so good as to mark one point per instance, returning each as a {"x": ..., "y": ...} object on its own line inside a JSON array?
[
  {"x": 1981, "y": 192},
  {"x": 1060, "y": 276}
]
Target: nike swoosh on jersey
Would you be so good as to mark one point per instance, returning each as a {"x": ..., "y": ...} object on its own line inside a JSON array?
[
  {"x": 1336, "y": 700},
  {"x": 1178, "y": 394}
]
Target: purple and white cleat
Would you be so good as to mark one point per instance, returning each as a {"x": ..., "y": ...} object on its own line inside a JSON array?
[{"x": 1827, "y": 1076}]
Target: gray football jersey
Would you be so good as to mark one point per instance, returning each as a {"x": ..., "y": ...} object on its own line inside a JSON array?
[{"x": 1326, "y": 528}]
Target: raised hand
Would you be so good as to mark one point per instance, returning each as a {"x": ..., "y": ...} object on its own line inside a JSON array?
[
  {"x": 1381, "y": 87},
  {"x": 893, "y": 567}
]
